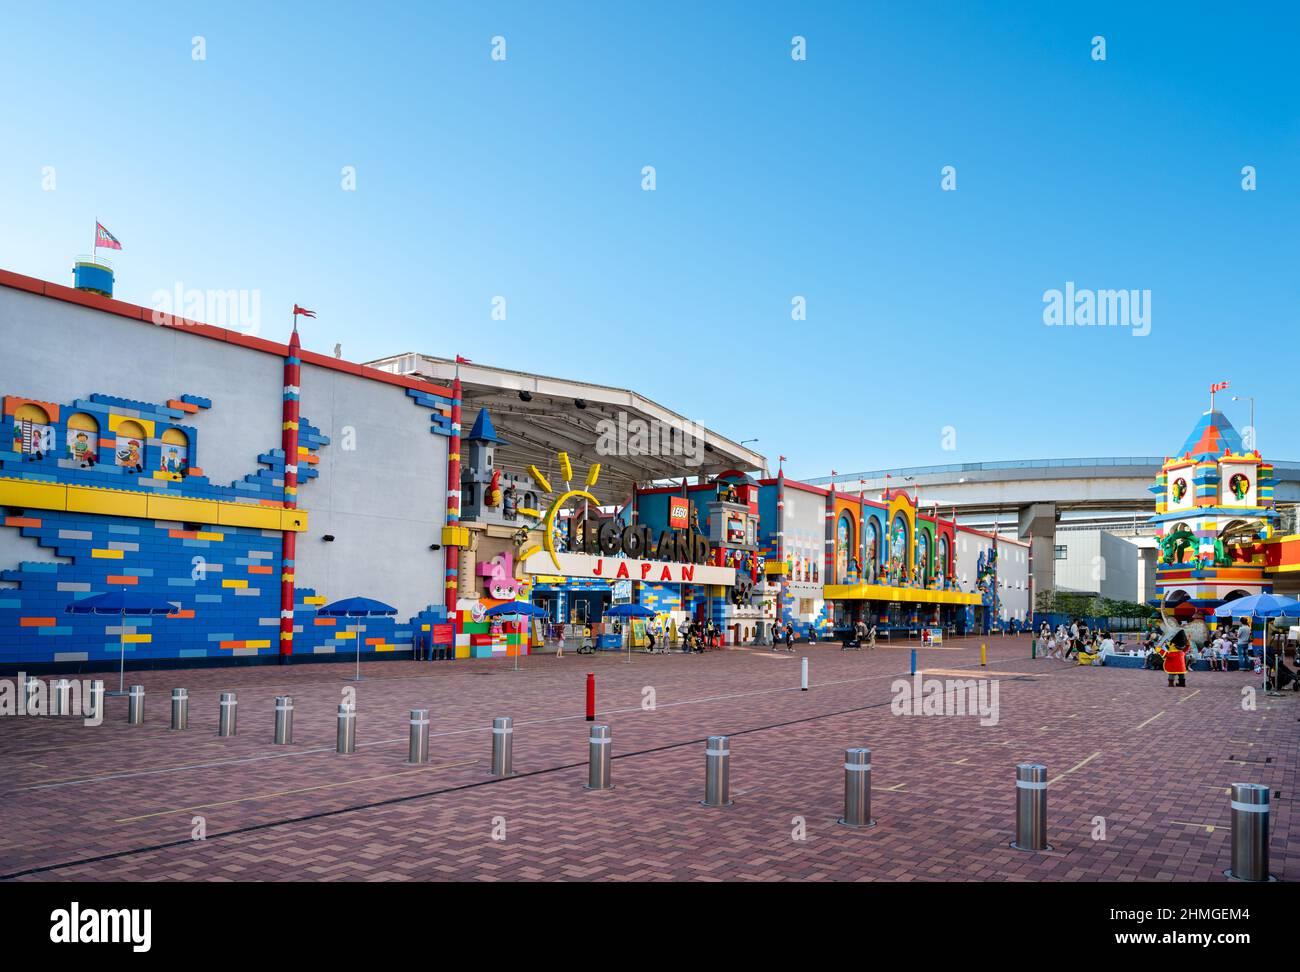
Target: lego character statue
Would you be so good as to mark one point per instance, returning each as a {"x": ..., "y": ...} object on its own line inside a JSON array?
[
  {"x": 1174, "y": 653},
  {"x": 510, "y": 502},
  {"x": 492, "y": 495}
]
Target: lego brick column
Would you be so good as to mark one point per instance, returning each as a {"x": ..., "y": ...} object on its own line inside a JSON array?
[
  {"x": 288, "y": 539},
  {"x": 453, "y": 498}
]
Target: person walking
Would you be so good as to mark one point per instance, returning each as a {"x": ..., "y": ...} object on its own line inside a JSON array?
[{"x": 789, "y": 637}]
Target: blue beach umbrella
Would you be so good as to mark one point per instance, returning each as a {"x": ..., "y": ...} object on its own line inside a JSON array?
[
  {"x": 121, "y": 603},
  {"x": 357, "y": 607},
  {"x": 1259, "y": 606},
  {"x": 515, "y": 609},
  {"x": 630, "y": 611}
]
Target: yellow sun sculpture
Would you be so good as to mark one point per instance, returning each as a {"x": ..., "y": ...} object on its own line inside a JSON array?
[{"x": 547, "y": 520}]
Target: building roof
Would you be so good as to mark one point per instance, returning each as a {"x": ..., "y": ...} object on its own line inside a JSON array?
[
  {"x": 483, "y": 430},
  {"x": 1211, "y": 436}
]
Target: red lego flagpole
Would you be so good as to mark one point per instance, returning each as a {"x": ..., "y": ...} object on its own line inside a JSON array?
[{"x": 289, "y": 442}]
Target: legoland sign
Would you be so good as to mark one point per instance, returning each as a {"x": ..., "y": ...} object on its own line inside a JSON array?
[{"x": 629, "y": 568}]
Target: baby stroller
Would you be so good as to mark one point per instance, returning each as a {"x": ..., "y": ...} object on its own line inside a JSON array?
[{"x": 586, "y": 647}]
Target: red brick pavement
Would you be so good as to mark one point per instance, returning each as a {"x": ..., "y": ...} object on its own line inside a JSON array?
[{"x": 1153, "y": 762}]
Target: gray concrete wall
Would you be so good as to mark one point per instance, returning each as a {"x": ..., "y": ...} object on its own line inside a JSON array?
[
  {"x": 382, "y": 494},
  {"x": 384, "y": 500},
  {"x": 57, "y": 352}
]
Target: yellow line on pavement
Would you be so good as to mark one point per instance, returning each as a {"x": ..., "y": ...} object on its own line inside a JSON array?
[
  {"x": 1189, "y": 695},
  {"x": 1076, "y": 766},
  {"x": 304, "y": 789},
  {"x": 1209, "y": 828},
  {"x": 1152, "y": 719}
]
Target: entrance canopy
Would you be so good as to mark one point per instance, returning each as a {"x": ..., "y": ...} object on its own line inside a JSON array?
[{"x": 539, "y": 416}]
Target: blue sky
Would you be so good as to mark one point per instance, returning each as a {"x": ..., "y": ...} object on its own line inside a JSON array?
[{"x": 477, "y": 178}]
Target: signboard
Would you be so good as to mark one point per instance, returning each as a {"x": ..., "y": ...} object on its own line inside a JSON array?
[
  {"x": 679, "y": 512},
  {"x": 622, "y": 592},
  {"x": 628, "y": 568},
  {"x": 931, "y": 636}
]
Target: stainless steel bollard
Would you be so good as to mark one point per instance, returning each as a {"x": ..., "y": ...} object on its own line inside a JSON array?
[
  {"x": 180, "y": 708},
  {"x": 1249, "y": 832},
  {"x": 1031, "y": 808},
  {"x": 599, "y": 745},
  {"x": 135, "y": 705},
  {"x": 96, "y": 708},
  {"x": 503, "y": 731},
  {"x": 227, "y": 721},
  {"x": 61, "y": 699},
  {"x": 419, "y": 748},
  {"x": 347, "y": 734},
  {"x": 857, "y": 788},
  {"x": 717, "y": 772},
  {"x": 283, "y": 720}
]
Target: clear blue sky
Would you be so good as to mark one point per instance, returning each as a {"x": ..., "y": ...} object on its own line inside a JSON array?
[{"x": 776, "y": 178}]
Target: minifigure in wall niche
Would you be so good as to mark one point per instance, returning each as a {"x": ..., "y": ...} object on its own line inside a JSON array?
[
  {"x": 129, "y": 456},
  {"x": 82, "y": 450},
  {"x": 510, "y": 503}
]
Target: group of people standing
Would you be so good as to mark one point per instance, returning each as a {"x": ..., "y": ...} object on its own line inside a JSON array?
[{"x": 1077, "y": 641}]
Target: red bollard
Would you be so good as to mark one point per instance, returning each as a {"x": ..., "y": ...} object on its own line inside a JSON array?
[{"x": 591, "y": 696}]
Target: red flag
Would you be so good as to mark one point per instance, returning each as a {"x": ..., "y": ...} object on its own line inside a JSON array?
[
  {"x": 1218, "y": 386},
  {"x": 460, "y": 360},
  {"x": 105, "y": 239},
  {"x": 303, "y": 311}
]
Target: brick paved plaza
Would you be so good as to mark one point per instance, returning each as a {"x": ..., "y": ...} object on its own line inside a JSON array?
[{"x": 118, "y": 802}]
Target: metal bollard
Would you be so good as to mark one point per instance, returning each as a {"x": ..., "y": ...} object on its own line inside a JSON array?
[
  {"x": 1249, "y": 833},
  {"x": 135, "y": 706},
  {"x": 227, "y": 722},
  {"x": 180, "y": 708},
  {"x": 61, "y": 701},
  {"x": 96, "y": 709},
  {"x": 283, "y": 720},
  {"x": 913, "y": 672},
  {"x": 803, "y": 676},
  {"x": 1031, "y": 808},
  {"x": 347, "y": 734},
  {"x": 717, "y": 772},
  {"x": 599, "y": 744},
  {"x": 503, "y": 729},
  {"x": 419, "y": 750},
  {"x": 857, "y": 788}
]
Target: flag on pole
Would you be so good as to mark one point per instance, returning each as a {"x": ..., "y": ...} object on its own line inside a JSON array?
[
  {"x": 1218, "y": 386},
  {"x": 105, "y": 239},
  {"x": 303, "y": 311}
]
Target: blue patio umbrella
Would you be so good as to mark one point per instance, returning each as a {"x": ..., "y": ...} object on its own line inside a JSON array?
[
  {"x": 357, "y": 607},
  {"x": 522, "y": 608},
  {"x": 121, "y": 603},
  {"x": 630, "y": 611},
  {"x": 516, "y": 609},
  {"x": 1259, "y": 606}
]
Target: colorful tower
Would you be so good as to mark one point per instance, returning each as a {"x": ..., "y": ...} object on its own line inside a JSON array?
[
  {"x": 289, "y": 442},
  {"x": 1214, "y": 510}
]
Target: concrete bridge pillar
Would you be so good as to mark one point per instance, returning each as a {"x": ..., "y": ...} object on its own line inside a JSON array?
[{"x": 1037, "y": 523}]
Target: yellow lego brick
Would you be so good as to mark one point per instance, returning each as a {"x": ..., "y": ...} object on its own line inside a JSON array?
[
  {"x": 137, "y": 639},
  {"x": 314, "y": 599},
  {"x": 40, "y": 496},
  {"x": 234, "y": 583},
  {"x": 106, "y": 554},
  {"x": 257, "y": 644},
  {"x": 345, "y": 635},
  {"x": 184, "y": 510},
  {"x": 209, "y": 536},
  {"x": 455, "y": 536},
  {"x": 293, "y": 521},
  {"x": 109, "y": 502},
  {"x": 115, "y": 422},
  {"x": 247, "y": 515}
]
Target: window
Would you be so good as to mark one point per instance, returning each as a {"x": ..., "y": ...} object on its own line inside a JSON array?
[{"x": 1061, "y": 552}]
